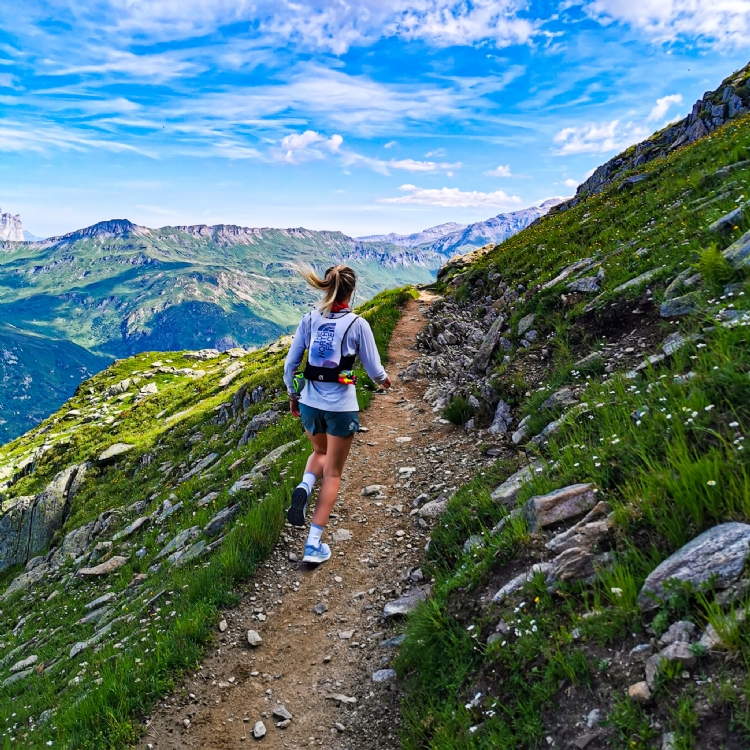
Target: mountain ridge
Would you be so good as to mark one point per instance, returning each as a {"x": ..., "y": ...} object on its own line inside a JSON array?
[{"x": 450, "y": 238}]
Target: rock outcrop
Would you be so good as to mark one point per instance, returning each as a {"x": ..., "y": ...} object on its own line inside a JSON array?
[
  {"x": 28, "y": 524},
  {"x": 731, "y": 99},
  {"x": 11, "y": 228}
]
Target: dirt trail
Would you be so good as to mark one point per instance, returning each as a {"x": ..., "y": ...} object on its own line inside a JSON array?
[{"x": 306, "y": 657}]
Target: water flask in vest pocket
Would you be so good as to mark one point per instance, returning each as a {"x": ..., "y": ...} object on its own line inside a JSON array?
[
  {"x": 347, "y": 377},
  {"x": 299, "y": 382}
]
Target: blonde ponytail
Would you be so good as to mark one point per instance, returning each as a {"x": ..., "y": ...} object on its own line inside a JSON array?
[{"x": 338, "y": 284}]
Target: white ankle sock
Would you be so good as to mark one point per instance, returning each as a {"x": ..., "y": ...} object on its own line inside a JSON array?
[
  {"x": 308, "y": 481},
  {"x": 313, "y": 538}
]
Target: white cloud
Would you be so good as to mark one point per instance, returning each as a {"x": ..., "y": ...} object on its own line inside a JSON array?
[
  {"x": 391, "y": 144},
  {"x": 452, "y": 197},
  {"x": 662, "y": 106},
  {"x": 436, "y": 152},
  {"x": 598, "y": 138},
  {"x": 717, "y": 23},
  {"x": 503, "y": 170},
  {"x": 7, "y": 81},
  {"x": 570, "y": 183},
  {"x": 299, "y": 147}
]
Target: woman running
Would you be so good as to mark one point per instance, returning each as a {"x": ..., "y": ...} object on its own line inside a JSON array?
[{"x": 332, "y": 335}]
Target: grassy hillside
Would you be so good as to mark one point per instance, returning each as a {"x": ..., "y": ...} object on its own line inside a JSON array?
[
  {"x": 205, "y": 436},
  {"x": 117, "y": 289},
  {"x": 663, "y": 444}
]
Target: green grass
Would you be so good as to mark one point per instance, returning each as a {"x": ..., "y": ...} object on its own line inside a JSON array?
[
  {"x": 666, "y": 451},
  {"x": 99, "y": 697}
]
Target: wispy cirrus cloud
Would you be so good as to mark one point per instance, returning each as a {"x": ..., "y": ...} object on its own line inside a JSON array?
[
  {"x": 453, "y": 197},
  {"x": 716, "y": 24}
]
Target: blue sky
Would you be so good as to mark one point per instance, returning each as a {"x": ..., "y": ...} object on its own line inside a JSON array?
[{"x": 361, "y": 115}]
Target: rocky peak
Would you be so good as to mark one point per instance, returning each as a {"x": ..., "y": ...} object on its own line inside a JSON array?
[
  {"x": 731, "y": 99},
  {"x": 103, "y": 230},
  {"x": 11, "y": 228}
]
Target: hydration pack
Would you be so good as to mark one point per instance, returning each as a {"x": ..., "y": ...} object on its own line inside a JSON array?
[{"x": 325, "y": 362}]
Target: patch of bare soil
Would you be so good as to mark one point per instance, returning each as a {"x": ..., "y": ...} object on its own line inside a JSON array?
[{"x": 323, "y": 628}]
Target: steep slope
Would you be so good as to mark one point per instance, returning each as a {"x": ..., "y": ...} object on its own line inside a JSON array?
[
  {"x": 117, "y": 289},
  {"x": 36, "y": 373},
  {"x": 128, "y": 518},
  {"x": 731, "y": 99},
  {"x": 451, "y": 239},
  {"x": 590, "y": 590}
]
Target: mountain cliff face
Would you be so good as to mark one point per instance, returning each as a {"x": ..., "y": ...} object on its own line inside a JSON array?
[
  {"x": 451, "y": 239},
  {"x": 11, "y": 228}
]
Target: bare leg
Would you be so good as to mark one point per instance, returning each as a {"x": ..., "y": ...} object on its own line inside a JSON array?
[
  {"x": 317, "y": 459},
  {"x": 335, "y": 458}
]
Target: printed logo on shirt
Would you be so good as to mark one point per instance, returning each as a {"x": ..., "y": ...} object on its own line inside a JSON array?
[{"x": 324, "y": 343}]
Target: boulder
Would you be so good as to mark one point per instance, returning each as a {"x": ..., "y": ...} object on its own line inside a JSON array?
[
  {"x": 29, "y": 523},
  {"x": 407, "y": 602},
  {"x": 520, "y": 580},
  {"x": 105, "y": 568},
  {"x": 502, "y": 419},
  {"x": 726, "y": 222},
  {"x": 435, "y": 508},
  {"x": 525, "y": 323},
  {"x": 679, "y": 306},
  {"x": 738, "y": 253},
  {"x": 269, "y": 459},
  {"x": 204, "y": 463},
  {"x": 384, "y": 675},
  {"x": 562, "y": 397},
  {"x": 640, "y": 692},
  {"x": 114, "y": 452},
  {"x": 257, "y": 423},
  {"x": 131, "y": 529},
  {"x": 579, "y": 564},
  {"x": 506, "y": 493},
  {"x": 587, "y": 533},
  {"x": 638, "y": 280},
  {"x": 716, "y": 556},
  {"x": 560, "y": 505},
  {"x": 253, "y": 638},
  {"x": 680, "y": 631},
  {"x": 18, "y": 676},
  {"x": 220, "y": 520},
  {"x": 566, "y": 272},
  {"x": 586, "y": 285},
  {"x": 676, "y": 652},
  {"x": 487, "y": 348}
]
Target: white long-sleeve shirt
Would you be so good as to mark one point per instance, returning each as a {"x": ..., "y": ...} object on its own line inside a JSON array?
[{"x": 334, "y": 396}]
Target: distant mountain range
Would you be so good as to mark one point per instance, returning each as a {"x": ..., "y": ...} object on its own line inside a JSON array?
[
  {"x": 454, "y": 239},
  {"x": 115, "y": 289}
]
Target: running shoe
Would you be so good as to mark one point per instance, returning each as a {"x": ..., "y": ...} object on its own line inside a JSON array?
[
  {"x": 296, "y": 512},
  {"x": 317, "y": 555}
]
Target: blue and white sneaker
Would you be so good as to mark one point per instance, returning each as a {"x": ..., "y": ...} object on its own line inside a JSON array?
[
  {"x": 297, "y": 510},
  {"x": 317, "y": 555}
]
